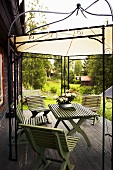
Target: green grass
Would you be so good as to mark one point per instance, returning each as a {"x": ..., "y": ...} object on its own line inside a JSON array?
[
  {"x": 50, "y": 84},
  {"x": 57, "y": 85},
  {"x": 25, "y": 107}
]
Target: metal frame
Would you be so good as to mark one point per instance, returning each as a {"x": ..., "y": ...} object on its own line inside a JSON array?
[{"x": 13, "y": 153}]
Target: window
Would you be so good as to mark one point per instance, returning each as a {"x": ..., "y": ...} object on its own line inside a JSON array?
[{"x": 1, "y": 77}]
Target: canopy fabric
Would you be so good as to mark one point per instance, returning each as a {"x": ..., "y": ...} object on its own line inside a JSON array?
[
  {"x": 81, "y": 41},
  {"x": 109, "y": 93}
]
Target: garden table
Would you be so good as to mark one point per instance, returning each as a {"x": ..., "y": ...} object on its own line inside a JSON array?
[{"x": 77, "y": 111}]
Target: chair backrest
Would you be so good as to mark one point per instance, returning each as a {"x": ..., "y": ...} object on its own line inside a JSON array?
[
  {"x": 35, "y": 102},
  {"x": 46, "y": 137},
  {"x": 27, "y": 93},
  {"x": 92, "y": 102}
]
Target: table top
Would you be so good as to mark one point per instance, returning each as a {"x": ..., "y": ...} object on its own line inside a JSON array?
[{"x": 79, "y": 112}]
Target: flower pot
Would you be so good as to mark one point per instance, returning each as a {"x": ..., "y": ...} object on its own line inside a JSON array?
[{"x": 65, "y": 105}]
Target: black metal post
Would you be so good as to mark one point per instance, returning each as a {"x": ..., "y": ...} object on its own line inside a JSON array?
[
  {"x": 64, "y": 73},
  {"x": 15, "y": 94},
  {"x": 9, "y": 99},
  {"x": 68, "y": 72},
  {"x": 103, "y": 136},
  {"x": 21, "y": 79}
]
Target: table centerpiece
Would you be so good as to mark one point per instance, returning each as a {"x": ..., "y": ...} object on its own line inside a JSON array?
[{"x": 64, "y": 101}]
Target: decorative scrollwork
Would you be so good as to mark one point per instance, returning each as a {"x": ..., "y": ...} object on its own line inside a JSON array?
[
  {"x": 31, "y": 37},
  {"x": 79, "y": 32},
  {"x": 107, "y": 51}
]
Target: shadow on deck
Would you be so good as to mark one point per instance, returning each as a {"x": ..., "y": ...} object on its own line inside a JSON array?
[{"x": 83, "y": 157}]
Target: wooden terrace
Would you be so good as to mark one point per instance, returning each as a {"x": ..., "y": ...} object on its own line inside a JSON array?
[{"x": 83, "y": 157}]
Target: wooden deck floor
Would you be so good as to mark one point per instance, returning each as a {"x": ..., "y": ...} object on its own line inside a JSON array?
[{"x": 83, "y": 157}]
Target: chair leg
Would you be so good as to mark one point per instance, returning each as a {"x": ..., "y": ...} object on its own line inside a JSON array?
[
  {"x": 67, "y": 166},
  {"x": 45, "y": 114},
  {"x": 41, "y": 163},
  {"x": 34, "y": 113},
  {"x": 63, "y": 165},
  {"x": 66, "y": 163},
  {"x": 95, "y": 120}
]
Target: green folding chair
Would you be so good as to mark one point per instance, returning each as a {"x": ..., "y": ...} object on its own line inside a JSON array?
[{"x": 42, "y": 138}]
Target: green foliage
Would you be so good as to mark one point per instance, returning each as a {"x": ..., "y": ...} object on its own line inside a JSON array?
[
  {"x": 71, "y": 77},
  {"x": 94, "y": 68},
  {"x": 31, "y": 23},
  {"x": 86, "y": 90},
  {"x": 49, "y": 101},
  {"x": 76, "y": 81},
  {"x": 53, "y": 90},
  {"x": 34, "y": 72},
  {"x": 108, "y": 109},
  {"x": 50, "y": 84},
  {"x": 78, "y": 67}
]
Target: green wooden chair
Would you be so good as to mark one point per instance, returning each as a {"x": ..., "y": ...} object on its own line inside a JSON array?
[
  {"x": 36, "y": 105},
  {"x": 21, "y": 137},
  {"x": 42, "y": 138},
  {"x": 93, "y": 103},
  {"x": 32, "y": 121}
]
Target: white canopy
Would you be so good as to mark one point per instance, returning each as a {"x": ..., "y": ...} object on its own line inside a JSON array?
[{"x": 79, "y": 41}]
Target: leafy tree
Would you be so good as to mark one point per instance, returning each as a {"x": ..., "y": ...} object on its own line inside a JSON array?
[
  {"x": 93, "y": 66},
  {"x": 35, "y": 19},
  {"x": 78, "y": 67},
  {"x": 35, "y": 66},
  {"x": 71, "y": 77},
  {"x": 57, "y": 67},
  {"x": 34, "y": 72}
]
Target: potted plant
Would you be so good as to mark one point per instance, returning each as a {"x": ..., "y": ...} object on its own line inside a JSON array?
[{"x": 66, "y": 97}]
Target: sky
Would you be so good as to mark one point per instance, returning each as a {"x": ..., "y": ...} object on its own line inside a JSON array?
[{"x": 76, "y": 21}]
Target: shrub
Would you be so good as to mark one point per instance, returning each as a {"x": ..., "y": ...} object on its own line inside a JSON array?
[
  {"x": 86, "y": 90},
  {"x": 76, "y": 81},
  {"x": 53, "y": 90}
]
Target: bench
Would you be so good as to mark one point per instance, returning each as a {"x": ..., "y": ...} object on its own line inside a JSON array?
[
  {"x": 93, "y": 103},
  {"x": 36, "y": 105},
  {"x": 42, "y": 138}
]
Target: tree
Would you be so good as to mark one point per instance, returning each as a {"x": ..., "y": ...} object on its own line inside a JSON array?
[
  {"x": 57, "y": 67},
  {"x": 34, "y": 71},
  {"x": 35, "y": 66},
  {"x": 78, "y": 67},
  {"x": 94, "y": 68},
  {"x": 35, "y": 19}
]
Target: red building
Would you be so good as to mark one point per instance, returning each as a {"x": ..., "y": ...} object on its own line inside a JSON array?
[{"x": 86, "y": 81}]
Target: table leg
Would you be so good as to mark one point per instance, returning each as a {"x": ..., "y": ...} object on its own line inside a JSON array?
[
  {"x": 58, "y": 121},
  {"x": 76, "y": 128},
  {"x": 66, "y": 125}
]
